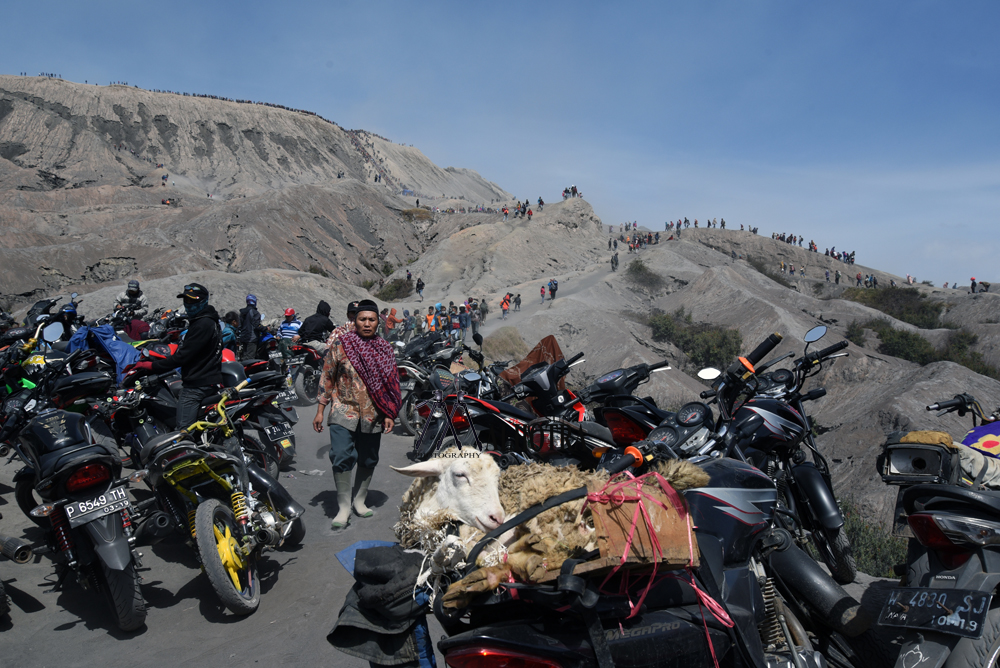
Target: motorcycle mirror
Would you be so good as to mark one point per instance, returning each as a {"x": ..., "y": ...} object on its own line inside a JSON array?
[
  {"x": 815, "y": 334},
  {"x": 478, "y": 338},
  {"x": 52, "y": 332},
  {"x": 74, "y": 295},
  {"x": 709, "y": 373}
]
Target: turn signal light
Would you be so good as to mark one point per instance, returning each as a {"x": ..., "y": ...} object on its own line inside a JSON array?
[
  {"x": 88, "y": 476},
  {"x": 43, "y": 510}
]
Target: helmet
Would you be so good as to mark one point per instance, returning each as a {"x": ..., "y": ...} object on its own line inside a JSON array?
[
  {"x": 289, "y": 312},
  {"x": 69, "y": 308},
  {"x": 252, "y": 300}
]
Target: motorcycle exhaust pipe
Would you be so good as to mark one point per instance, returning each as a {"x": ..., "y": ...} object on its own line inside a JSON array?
[
  {"x": 155, "y": 528},
  {"x": 267, "y": 536},
  {"x": 15, "y": 549},
  {"x": 838, "y": 609}
]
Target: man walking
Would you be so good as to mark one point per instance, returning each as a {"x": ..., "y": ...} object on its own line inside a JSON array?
[{"x": 250, "y": 328}]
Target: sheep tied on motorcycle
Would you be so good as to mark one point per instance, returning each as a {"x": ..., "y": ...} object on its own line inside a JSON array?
[
  {"x": 754, "y": 491},
  {"x": 211, "y": 484}
]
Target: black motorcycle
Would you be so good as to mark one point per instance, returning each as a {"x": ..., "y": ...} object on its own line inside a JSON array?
[
  {"x": 83, "y": 500},
  {"x": 945, "y": 603},
  {"x": 784, "y": 447}
]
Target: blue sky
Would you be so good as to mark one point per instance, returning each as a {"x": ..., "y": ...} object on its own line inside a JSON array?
[{"x": 868, "y": 126}]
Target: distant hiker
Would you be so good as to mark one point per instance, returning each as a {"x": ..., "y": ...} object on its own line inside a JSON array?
[
  {"x": 420, "y": 288},
  {"x": 609, "y": 243},
  {"x": 543, "y": 294},
  {"x": 837, "y": 277},
  {"x": 250, "y": 328},
  {"x": 827, "y": 275},
  {"x": 858, "y": 278},
  {"x": 529, "y": 214},
  {"x": 973, "y": 291},
  {"x": 517, "y": 302},
  {"x": 409, "y": 276},
  {"x": 504, "y": 306}
]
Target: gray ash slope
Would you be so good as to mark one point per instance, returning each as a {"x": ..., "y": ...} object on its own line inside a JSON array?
[{"x": 76, "y": 210}]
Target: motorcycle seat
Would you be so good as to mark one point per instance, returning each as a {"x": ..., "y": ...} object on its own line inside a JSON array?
[
  {"x": 155, "y": 446},
  {"x": 941, "y": 497},
  {"x": 61, "y": 346}
]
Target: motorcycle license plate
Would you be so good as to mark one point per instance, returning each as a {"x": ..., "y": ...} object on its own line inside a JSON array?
[
  {"x": 275, "y": 356},
  {"x": 285, "y": 397},
  {"x": 81, "y": 512},
  {"x": 298, "y": 359},
  {"x": 278, "y": 431},
  {"x": 407, "y": 385},
  {"x": 960, "y": 612}
]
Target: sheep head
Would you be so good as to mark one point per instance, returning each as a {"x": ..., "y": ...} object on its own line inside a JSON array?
[{"x": 467, "y": 482}]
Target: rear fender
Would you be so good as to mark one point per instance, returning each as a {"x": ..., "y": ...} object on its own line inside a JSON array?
[
  {"x": 110, "y": 542},
  {"x": 927, "y": 650},
  {"x": 26, "y": 473},
  {"x": 820, "y": 497}
]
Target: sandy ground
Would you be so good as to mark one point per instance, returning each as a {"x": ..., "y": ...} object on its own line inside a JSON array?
[{"x": 302, "y": 589}]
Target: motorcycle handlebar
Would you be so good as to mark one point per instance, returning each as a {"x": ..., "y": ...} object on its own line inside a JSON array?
[
  {"x": 575, "y": 358},
  {"x": 659, "y": 365},
  {"x": 769, "y": 344},
  {"x": 812, "y": 358},
  {"x": 957, "y": 402},
  {"x": 816, "y": 393},
  {"x": 622, "y": 463},
  {"x": 708, "y": 394}
]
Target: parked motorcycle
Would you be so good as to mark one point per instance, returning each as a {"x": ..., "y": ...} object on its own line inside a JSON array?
[
  {"x": 83, "y": 499},
  {"x": 945, "y": 602},
  {"x": 784, "y": 447},
  {"x": 230, "y": 510}
]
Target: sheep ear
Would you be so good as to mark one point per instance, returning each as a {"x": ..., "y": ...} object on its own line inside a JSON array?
[{"x": 426, "y": 469}]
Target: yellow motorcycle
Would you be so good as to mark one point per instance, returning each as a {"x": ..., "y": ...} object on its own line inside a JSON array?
[{"x": 231, "y": 510}]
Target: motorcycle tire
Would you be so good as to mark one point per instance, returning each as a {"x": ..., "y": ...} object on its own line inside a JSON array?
[
  {"x": 259, "y": 456},
  {"x": 4, "y": 602},
  {"x": 306, "y": 387},
  {"x": 409, "y": 419},
  {"x": 124, "y": 596},
  {"x": 24, "y": 494},
  {"x": 834, "y": 549},
  {"x": 983, "y": 651},
  {"x": 232, "y": 575}
]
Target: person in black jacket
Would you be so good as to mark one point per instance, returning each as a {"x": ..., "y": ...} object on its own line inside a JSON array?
[
  {"x": 199, "y": 355},
  {"x": 250, "y": 328},
  {"x": 316, "y": 328}
]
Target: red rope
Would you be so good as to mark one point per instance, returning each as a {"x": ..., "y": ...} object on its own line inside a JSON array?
[{"x": 631, "y": 489}]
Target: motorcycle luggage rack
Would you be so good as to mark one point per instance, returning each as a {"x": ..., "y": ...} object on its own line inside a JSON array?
[{"x": 551, "y": 433}]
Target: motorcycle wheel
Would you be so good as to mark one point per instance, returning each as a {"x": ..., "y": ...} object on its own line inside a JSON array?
[
  {"x": 834, "y": 549},
  {"x": 232, "y": 574},
  {"x": 982, "y": 651},
  {"x": 124, "y": 596},
  {"x": 306, "y": 386},
  {"x": 409, "y": 418},
  {"x": 24, "y": 494},
  {"x": 259, "y": 456}
]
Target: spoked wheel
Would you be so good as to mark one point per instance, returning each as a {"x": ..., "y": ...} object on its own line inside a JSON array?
[
  {"x": 232, "y": 573},
  {"x": 834, "y": 549}
]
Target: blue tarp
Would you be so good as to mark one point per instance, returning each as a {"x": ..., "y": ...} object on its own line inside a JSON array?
[
  {"x": 122, "y": 353},
  {"x": 347, "y": 555}
]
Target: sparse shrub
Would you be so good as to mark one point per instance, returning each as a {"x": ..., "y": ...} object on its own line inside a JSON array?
[
  {"x": 387, "y": 268},
  {"x": 817, "y": 289},
  {"x": 762, "y": 266},
  {"x": 855, "y": 333},
  {"x": 930, "y": 283},
  {"x": 394, "y": 290},
  {"x": 638, "y": 272},
  {"x": 906, "y": 304},
  {"x": 875, "y": 550},
  {"x": 420, "y": 214},
  {"x": 915, "y": 348},
  {"x": 367, "y": 283},
  {"x": 704, "y": 344},
  {"x": 316, "y": 269}
]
